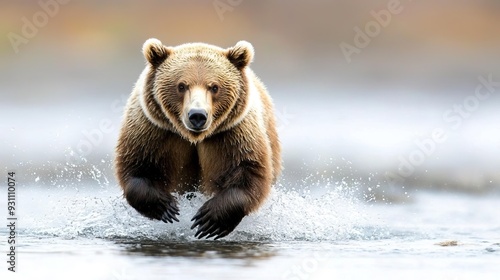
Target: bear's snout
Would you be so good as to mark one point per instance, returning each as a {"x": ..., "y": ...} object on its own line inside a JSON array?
[{"x": 197, "y": 117}]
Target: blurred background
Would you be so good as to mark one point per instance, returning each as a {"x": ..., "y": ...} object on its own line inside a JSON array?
[{"x": 390, "y": 96}]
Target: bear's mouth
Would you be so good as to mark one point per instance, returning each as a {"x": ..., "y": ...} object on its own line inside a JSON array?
[
  {"x": 196, "y": 120},
  {"x": 195, "y": 129}
]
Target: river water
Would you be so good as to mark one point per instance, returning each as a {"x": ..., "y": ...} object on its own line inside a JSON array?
[{"x": 328, "y": 233}]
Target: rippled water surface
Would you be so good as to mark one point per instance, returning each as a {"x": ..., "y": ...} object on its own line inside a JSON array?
[{"x": 91, "y": 233}]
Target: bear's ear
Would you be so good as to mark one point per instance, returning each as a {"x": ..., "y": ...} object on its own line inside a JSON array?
[
  {"x": 155, "y": 52},
  {"x": 241, "y": 54}
]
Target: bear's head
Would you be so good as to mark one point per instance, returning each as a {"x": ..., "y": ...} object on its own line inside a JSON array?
[{"x": 196, "y": 89}]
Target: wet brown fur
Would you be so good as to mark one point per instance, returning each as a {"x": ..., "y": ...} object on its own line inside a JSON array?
[{"x": 236, "y": 159}]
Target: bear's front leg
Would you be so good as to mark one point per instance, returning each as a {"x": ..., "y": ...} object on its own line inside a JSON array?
[
  {"x": 239, "y": 191},
  {"x": 149, "y": 200},
  {"x": 151, "y": 164}
]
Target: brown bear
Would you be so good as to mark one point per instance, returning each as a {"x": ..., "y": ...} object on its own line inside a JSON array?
[{"x": 198, "y": 118}]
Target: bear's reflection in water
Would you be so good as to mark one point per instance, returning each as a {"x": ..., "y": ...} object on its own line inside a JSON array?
[{"x": 199, "y": 249}]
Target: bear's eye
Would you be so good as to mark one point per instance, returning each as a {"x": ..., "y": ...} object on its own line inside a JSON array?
[
  {"x": 182, "y": 87},
  {"x": 214, "y": 89}
]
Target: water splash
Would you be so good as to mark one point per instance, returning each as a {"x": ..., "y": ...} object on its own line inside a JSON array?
[{"x": 287, "y": 215}]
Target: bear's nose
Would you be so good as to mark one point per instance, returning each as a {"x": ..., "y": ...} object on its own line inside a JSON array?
[{"x": 197, "y": 117}]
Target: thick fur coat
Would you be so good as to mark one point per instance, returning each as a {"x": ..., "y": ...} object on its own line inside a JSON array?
[{"x": 198, "y": 118}]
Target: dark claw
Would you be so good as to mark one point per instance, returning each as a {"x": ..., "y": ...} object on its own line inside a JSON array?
[
  {"x": 198, "y": 232},
  {"x": 214, "y": 233},
  {"x": 196, "y": 216},
  {"x": 205, "y": 232},
  {"x": 175, "y": 219},
  {"x": 224, "y": 233},
  {"x": 201, "y": 235},
  {"x": 199, "y": 214},
  {"x": 174, "y": 210},
  {"x": 206, "y": 227},
  {"x": 166, "y": 218},
  {"x": 172, "y": 213},
  {"x": 198, "y": 222}
]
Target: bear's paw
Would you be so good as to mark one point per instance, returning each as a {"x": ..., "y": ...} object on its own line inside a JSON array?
[
  {"x": 220, "y": 215},
  {"x": 150, "y": 201}
]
